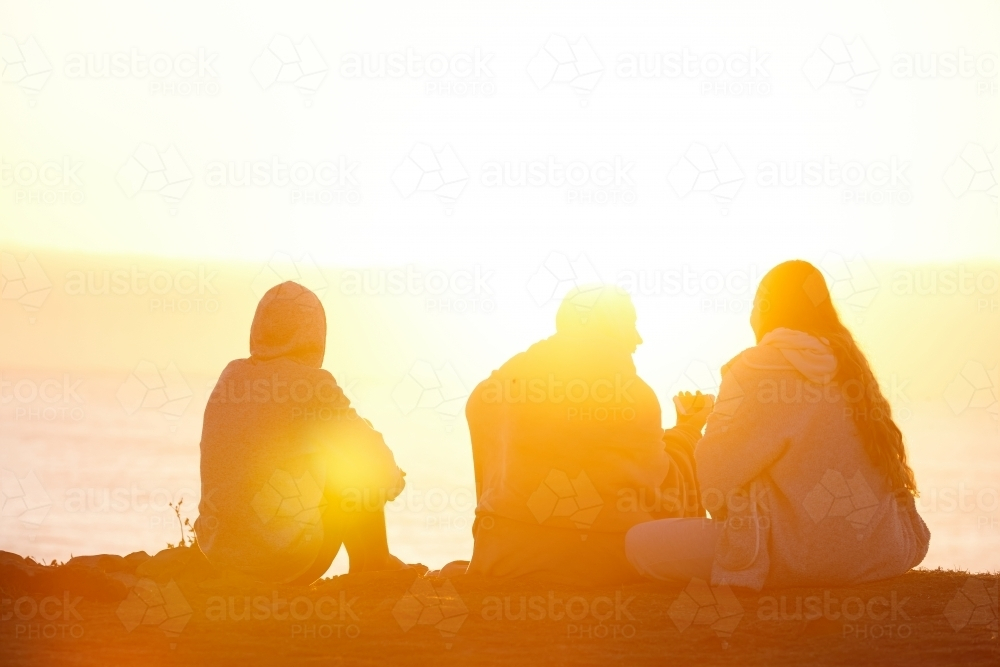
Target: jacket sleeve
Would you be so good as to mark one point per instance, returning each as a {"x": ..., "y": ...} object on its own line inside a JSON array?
[
  {"x": 746, "y": 432},
  {"x": 679, "y": 490},
  {"x": 372, "y": 459},
  {"x": 358, "y": 461}
]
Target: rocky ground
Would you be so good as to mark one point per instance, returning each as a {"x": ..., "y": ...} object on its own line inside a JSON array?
[{"x": 174, "y": 608}]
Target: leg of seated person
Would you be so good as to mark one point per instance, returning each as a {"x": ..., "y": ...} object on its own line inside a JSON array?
[
  {"x": 361, "y": 532},
  {"x": 366, "y": 541},
  {"x": 673, "y": 549},
  {"x": 333, "y": 537}
]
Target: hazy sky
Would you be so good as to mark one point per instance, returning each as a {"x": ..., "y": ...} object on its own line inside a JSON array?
[
  {"x": 533, "y": 147},
  {"x": 761, "y": 83}
]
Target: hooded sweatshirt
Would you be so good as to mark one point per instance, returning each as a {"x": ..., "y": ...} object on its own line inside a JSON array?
[
  {"x": 569, "y": 451},
  {"x": 567, "y": 419},
  {"x": 782, "y": 464},
  {"x": 280, "y": 442}
]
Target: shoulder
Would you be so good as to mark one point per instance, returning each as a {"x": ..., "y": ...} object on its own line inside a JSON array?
[
  {"x": 233, "y": 370},
  {"x": 748, "y": 374},
  {"x": 326, "y": 387},
  {"x": 756, "y": 359},
  {"x": 520, "y": 364},
  {"x": 537, "y": 354}
]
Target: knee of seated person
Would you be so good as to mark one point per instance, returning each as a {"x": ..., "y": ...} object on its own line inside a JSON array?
[
  {"x": 635, "y": 540},
  {"x": 355, "y": 501},
  {"x": 639, "y": 532}
]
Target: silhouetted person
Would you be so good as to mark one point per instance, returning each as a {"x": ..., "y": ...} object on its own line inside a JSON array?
[
  {"x": 801, "y": 466},
  {"x": 289, "y": 472},
  {"x": 569, "y": 450}
]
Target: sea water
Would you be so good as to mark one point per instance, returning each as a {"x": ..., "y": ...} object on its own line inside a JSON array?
[{"x": 85, "y": 470}]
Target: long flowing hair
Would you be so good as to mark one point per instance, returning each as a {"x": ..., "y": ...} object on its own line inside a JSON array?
[{"x": 794, "y": 295}]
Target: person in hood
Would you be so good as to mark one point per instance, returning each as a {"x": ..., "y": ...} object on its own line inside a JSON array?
[
  {"x": 289, "y": 471},
  {"x": 801, "y": 466},
  {"x": 569, "y": 451}
]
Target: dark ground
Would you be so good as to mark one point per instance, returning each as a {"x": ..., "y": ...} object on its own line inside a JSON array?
[{"x": 174, "y": 610}]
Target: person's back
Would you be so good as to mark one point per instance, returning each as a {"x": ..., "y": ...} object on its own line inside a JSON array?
[
  {"x": 283, "y": 453},
  {"x": 568, "y": 449},
  {"x": 823, "y": 513},
  {"x": 802, "y": 467}
]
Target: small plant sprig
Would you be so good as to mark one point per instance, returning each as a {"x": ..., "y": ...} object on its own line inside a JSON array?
[{"x": 187, "y": 530}]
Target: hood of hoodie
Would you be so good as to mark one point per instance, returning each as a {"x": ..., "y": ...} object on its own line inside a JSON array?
[
  {"x": 809, "y": 355},
  {"x": 289, "y": 323}
]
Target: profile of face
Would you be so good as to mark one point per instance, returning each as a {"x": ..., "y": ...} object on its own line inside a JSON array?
[{"x": 630, "y": 335}]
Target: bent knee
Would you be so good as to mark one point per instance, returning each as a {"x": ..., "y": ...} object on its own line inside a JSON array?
[{"x": 639, "y": 546}]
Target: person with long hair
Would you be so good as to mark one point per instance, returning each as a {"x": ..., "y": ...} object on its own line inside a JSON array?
[{"x": 801, "y": 466}]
